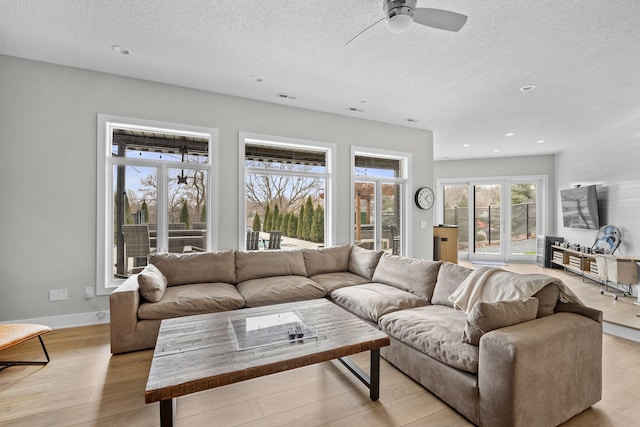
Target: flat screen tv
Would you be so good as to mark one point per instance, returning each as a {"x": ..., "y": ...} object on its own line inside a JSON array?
[{"x": 580, "y": 207}]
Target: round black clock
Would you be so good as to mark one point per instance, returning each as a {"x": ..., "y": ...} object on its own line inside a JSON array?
[{"x": 424, "y": 198}]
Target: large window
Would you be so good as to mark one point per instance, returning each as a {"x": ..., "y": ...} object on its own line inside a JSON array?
[
  {"x": 155, "y": 193},
  {"x": 379, "y": 198},
  {"x": 286, "y": 193}
]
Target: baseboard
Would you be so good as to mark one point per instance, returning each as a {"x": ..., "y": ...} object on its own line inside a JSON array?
[
  {"x": 621, "y": 331},
  {"x": 69, "y": 320}
]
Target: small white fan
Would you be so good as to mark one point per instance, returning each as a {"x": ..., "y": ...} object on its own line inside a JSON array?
[{"x": 607, "y": 239}]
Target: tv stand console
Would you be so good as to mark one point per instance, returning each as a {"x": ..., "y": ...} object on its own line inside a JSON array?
[{"x": 584, "y": 264}]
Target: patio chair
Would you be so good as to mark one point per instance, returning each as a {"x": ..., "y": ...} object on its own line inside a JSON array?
[
  {"x": 253, "y": 237},
  {"x": 395, "y": 240},
  {"x": 136, "y": 245},
  {"x": 274, "y": 240}
]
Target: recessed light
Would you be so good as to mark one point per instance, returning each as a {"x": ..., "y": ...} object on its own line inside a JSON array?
[
  {"x": 363, "y": 101},
  {"x": 355, "y": 110},
  {"x": 283, "y": 95},
  {"x": 257, "y": 78},
  {"x": 497, "y": 150},
  {"x": 120, "y": 49},
  {"x": 410, "y": 120},
  {"x": 509, "y": 134},
  {"x": 466, "y": 145},
  {"x": 540, "y": 141},
  {"x": 527, "y": 88}
]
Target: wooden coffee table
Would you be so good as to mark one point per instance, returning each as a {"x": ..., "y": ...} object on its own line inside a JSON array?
[{"x": 197, "y": 353}]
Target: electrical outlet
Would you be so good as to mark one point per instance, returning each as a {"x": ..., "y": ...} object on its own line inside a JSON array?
[
  {"x": 423, "y": 224},
  {"x": 88, "y": 292},
  {"x": 62, "y": 294}
]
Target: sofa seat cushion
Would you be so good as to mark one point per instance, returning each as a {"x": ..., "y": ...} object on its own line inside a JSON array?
[
  {"x": 436, "y": 331},
  {"x": 259, "y": 264},
  {"x": 326, "y": 260},
  {"x": 373, "y": 300},
  {"x": 187, "y": 300},
  {"x": 417, "y": 276},
  {"x": 279, "y": 289},
  {"x": 332, "y": 281},
  {"x": 196, "y": 267}
]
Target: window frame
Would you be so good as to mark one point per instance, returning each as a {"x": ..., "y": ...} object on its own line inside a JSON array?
[
  {"x": 404, "y": 180},
  {"x": 542, "y": 203},
  {"x": 105, "y": 282},
  {"x": 279, "y": 141}
]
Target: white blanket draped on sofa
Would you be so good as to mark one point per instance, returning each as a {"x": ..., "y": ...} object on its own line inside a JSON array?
[{"x": 495, "y": 284}]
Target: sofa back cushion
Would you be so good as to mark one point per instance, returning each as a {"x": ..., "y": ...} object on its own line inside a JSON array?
[
  {"x": 487, "y": 316},
  {"x": 254, "y": 265},
  {"x": 326, "y": 260},
  {"x": 197, "y": 267},
  {"x": 548, "y": 298},
  {"x": 450, "y": 276},
  {"x": 363, "y": 262},
  {"x": 417, "y": 276}
]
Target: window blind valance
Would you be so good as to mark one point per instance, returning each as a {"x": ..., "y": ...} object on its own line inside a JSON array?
[{"x": 273, "y": 154}]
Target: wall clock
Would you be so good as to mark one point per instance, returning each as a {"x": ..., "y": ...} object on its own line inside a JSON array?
[{"x": 424, "y": 198}]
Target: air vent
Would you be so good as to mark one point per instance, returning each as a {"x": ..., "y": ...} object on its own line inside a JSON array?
[
  {"x": 283, "y": 95},
  {"x": 355, "y": 110}
]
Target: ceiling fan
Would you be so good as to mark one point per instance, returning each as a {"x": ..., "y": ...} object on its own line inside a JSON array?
[{"x": 401, "y": 13}]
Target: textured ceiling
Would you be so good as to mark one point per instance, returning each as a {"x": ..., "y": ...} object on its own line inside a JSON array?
[{"x": 583, "y": 56}]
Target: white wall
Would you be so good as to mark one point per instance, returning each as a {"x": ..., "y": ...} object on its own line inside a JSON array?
[
  {"x": 501, "y": 167},
  {"x": 612, "y": 162},
  {"x": 48, "y": 117}
]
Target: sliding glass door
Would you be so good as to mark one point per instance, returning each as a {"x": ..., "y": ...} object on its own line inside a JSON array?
[
  {"x": 497, "y": 220},
  {"x": 487, "y": 221}
]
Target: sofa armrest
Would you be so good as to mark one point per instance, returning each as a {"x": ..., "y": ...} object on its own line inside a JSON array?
[
  {"x": 540, "y": 373},
  {"x": 124, "y": 302}
]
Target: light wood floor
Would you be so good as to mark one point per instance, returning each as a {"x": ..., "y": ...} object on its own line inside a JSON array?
[{"x": 84, "y": 385}]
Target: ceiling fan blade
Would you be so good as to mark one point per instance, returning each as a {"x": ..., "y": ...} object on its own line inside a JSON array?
[
  {"x": 360, "y": 33},
  {"x": 440, "y": 19}
]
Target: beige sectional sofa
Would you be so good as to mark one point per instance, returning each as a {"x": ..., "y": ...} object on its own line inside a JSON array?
[{"x": 540, "y": 370}]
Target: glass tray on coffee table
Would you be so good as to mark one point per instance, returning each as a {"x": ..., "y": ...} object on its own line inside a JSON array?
[{"x": 268, "y": 329}]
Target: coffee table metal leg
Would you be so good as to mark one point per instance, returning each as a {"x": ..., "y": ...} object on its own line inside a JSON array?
[
  {"x": 167, "y": 412},
  {"x": 372, "y": 381},
  {"x": 374, "y": 371}
]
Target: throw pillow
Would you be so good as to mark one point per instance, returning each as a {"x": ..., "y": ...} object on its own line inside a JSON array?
[
  {"x": 487, "y": 316},
  {"x": 152, "y": 283}
]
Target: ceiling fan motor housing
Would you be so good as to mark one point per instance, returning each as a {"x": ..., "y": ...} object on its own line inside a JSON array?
[{"x": 399, "y": 14}]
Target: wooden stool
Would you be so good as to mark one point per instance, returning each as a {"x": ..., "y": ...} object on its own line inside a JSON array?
[{"x": 13, "y": 334}]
